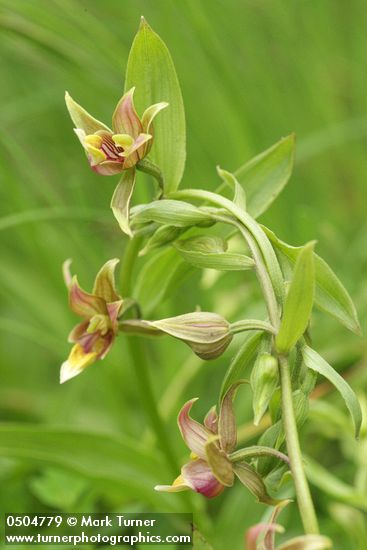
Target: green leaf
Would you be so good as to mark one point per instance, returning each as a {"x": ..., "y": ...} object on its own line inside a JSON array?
[
  {"x": 244, "y": 356},
  {"x": 150, "y": 68},
  {"x": 98, "y": 457},
  {"x": 315, "y": 362},
  {"x": 264, "y": 176},
  {"x": 298, "y": 302},
  {"x": 307, "y": 542},
  {"x": 209, "y": 252},
  {"x": 176, "y": 213},
  {"x": 330, "y": 294}
]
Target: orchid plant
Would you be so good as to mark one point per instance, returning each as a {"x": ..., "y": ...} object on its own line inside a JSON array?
[{"x": 292, "y": 279}]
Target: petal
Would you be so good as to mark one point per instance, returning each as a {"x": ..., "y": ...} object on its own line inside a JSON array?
[
  {"x": 77, "y": 361},
  {"x": 95, "y": 155},
  {"x": 123, "y": 140},
  {"x": 211, "y": 420},
  {"x": 120, "y": 202},
  {"x": 198, "y": 475},
  {"x": 227, "y": 427},
  {"x": 108, "y": 168},
  {"x": 150, "y": 113},
  {"x": 78, "y": 331},
  {"x": 81, "y": 118},
  {"x": 136, "y": 146},
  {"x": 194, "y": 434},
  {"x": 114, "y": 309},
  {"x": 218, "y": 462},
  {"x": 83, "y": 303},
  {"x": 177, "y": 486},
  {"x": 125, "y": 119},
  {"x": 66, "y": 272},
  {"x": 104, "y": 283}
]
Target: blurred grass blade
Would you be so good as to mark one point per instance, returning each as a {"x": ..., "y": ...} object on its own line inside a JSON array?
[
  {"x": 315, "y": 362},
  {"x": 299, "y": 301},
  {"x": 333, "y": 486},
  {"x": 330, "y": 294},
  {"x": 265, "y": 176},
  {"x": 307, "y": 542},
  {"x": 150, "y": 68},
  {"x": 98, "y": 457}
]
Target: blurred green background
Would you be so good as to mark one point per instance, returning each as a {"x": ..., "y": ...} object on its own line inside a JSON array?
[{"x": 251, "y": 72}]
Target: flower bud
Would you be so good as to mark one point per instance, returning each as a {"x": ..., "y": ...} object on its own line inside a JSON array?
[
  {"x": 207, "y": 334},
  {"x": 264, "y": 380}
]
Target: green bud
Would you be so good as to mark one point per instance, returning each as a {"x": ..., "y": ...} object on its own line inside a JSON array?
[
  {"x": 169, "y": 212},
  {"x": 264, "y": 380}
]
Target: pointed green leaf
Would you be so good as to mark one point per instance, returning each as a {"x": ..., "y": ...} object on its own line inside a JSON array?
[
  {"x": 209, "y": 252},
  {"x": 330, "y": 294},
  {"x": 315, "y": 362},
  {"x": 299, "y": 301},
  {"x": 150, "y": 69},
  {"x": 264, "y": 176}
]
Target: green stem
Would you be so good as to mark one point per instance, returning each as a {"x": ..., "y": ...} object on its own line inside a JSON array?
[
  {"x": 147, "y": 166},
  {"x": 304, "y": 499},
  {"x": 130, "y": 255},
  {"x": 141, "y": 368},
  {"x": 270, "y": 278},
  {"x": 251, "y": 324}
]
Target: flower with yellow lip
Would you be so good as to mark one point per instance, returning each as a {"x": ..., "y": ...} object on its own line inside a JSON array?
[
  {"x": 115, "y": 151},
  {"x": 109, "y": 151},
  {"x": 209, "y": 470},
  {"x": 94, "y": 336}
]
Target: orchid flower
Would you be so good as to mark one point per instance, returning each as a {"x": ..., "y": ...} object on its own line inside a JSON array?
[
  {"x": 94, "y": 336},
  {"x": 115, "y": 151},
  {"x": 109, "y": 151},
  {"x": 210, "y": 469}
]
